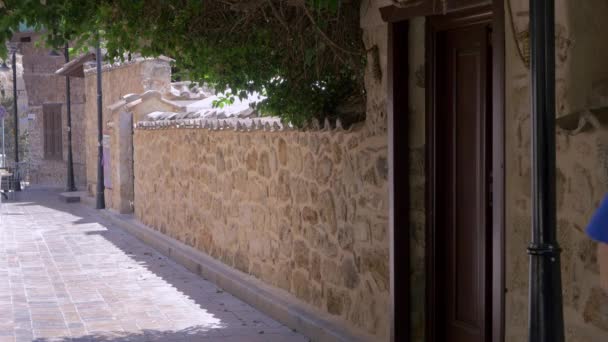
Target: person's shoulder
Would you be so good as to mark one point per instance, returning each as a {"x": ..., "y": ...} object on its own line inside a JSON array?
[{"x": 598, "y": 226}]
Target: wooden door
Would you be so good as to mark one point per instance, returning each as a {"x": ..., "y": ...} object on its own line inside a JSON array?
[
  {"x": 462, "y": 195},
  {"x": 52, "y": 131}
]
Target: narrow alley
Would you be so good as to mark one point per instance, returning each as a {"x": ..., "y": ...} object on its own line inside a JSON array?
[{"x": 66, "y": 274}]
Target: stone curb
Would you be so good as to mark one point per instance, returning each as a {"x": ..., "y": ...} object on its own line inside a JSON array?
[{"x": 276, "y": 303}]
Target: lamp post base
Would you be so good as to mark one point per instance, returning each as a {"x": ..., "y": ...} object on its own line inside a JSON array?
[{"x": 100, "y": 201}]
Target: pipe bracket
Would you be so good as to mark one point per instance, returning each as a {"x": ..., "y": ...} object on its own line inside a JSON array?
[{"x": 544, "y": 250}]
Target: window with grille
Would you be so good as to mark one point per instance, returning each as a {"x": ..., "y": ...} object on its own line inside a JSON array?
[{"x": 53, "y": 145}]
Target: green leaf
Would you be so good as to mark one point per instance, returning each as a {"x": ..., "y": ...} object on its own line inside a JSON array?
[{"x": 273, "y": 49}]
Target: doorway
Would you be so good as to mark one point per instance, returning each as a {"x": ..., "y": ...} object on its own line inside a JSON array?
[
  {"x": 52, "y": 131},
  {"x": 464, "y": 244}
]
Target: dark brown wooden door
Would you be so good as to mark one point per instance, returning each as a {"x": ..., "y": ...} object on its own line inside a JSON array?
[
  {"x": 52, "y": 131},
  {"x": 462, "y": 192}
]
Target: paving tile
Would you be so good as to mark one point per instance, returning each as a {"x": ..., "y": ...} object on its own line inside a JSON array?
[
  {"x": 78, "y": 332},
  {"x": 48, "y": 324},
  {"x": 68, "y": 275},
  {"x": 24, "y": 337},
  {"x": 46, "y": 333}
]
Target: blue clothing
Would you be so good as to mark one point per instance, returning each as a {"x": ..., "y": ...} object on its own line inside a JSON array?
[{"x": 598, "y": 227}]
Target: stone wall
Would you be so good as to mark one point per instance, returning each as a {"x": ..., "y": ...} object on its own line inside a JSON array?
[
  {"x": 44, "y": 87},
  {"x": 306, "y": 212},
  {"x": 131, "y": 109},
  {"x": 118, "y": 80}
]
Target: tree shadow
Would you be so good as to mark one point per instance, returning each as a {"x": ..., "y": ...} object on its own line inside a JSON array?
[{"x": 48, "y": 200}]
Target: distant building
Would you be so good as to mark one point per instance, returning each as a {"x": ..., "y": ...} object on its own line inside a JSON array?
[{"x": 41, "y": 105}]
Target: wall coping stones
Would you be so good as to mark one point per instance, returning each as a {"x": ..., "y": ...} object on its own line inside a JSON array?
[
  {"x": 188, "y": 90},
  {"x": 178, "y": 116},
  {"x": 172, "y": 120},
  {"x": 91, "y": 70}
]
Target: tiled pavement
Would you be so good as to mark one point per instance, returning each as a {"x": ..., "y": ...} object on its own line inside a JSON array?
[{"x": 67, "y": 275}]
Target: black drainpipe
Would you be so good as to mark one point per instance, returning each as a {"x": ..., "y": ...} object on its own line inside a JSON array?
[
  {"x": 70, "y": 186},
  {"x": 545, "y": 312},
  {"x": 101, "y": 202},
  {"x": 16, "y": 118}
]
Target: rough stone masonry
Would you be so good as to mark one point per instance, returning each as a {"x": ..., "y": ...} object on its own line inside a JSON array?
[{"x": 303, "y": 211}]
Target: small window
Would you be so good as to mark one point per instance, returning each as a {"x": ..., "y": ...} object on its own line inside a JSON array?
[{"x": 53, "y": 144}]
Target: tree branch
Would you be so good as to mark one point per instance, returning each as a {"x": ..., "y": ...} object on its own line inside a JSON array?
[{"x": 324, "y": 36}]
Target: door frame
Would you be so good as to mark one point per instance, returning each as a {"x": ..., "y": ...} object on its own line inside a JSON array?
[
  {"x": 399, "y": 189},
  {"x": 398, "y": 112},
  {"x": 493, "y": 13}
]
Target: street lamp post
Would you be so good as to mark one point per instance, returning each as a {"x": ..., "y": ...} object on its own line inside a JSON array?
[
  {"x": 546, "y": 313},
  {"x": 3, "y": 67},
  {"x": 16, "y": 117},
  {"x": 2, "y": 117},
  {"x": 70, "y": 186},
  {"x": 100, "y": 203},
  {"x": 3, "y": 148}
]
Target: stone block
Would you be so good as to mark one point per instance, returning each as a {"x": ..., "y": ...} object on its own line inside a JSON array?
[
  {"x": 301, "y": 285},
  {"x": 324, "y": 170},
  {"x": 301, "y": 254},
  {"x": 327, "y": 211},
  {"x": 346, "y": 238},
  {"x": 264, "y": 165},
  {"x": 70, "y": 197},
  {"x": 315, "y": 267},
  {"x": 252, "y": 161},
  {"x": 283, "y": 276},
  {"x": 282, "y": 151},
  {"x": 338, "y": 301},
  {"x": 329, "y": 270},
  {"x": 596, "y": 309},
  {"x": 309, "y": 216},
  {"x": 350, "y": 273},
  {"x": 376, "y": 263},
  {"x": 241, "y": 261}
]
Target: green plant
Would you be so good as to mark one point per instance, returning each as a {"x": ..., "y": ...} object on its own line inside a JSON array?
[
  {"x": 9, "y": 132},
  {"x": 306, "y": 56}
]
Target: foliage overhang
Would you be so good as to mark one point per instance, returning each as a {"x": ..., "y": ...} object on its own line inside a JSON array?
[{"x": 306, "y": 56}]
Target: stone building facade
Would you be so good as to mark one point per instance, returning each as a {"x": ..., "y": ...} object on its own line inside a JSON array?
[
  {"x": 45, "y": 88},
  {"x": 581, "y": 165},
  {"x": 38, "y": 86},
  {"x": 133, "y": 77}
]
